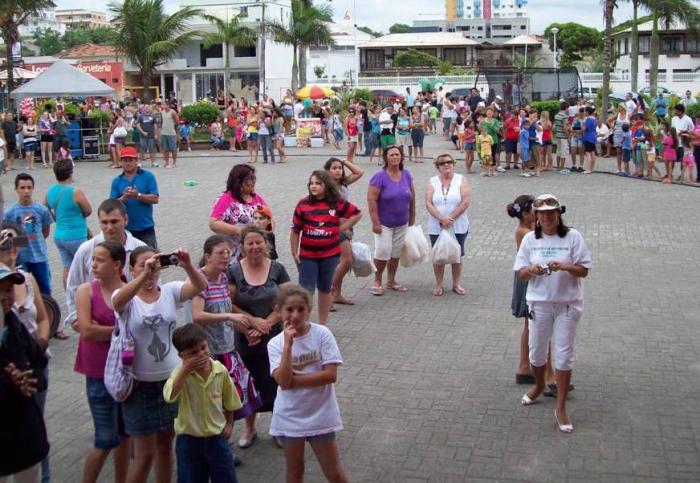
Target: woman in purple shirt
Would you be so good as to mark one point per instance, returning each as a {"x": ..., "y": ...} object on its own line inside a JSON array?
[{"x": 392, "y": 207}]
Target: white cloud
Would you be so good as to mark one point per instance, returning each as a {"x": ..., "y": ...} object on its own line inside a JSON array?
[{"x": 380, "y": 14}]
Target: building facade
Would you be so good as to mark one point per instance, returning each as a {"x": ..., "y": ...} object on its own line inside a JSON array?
[
  {"x": 79, "y": 16},
  {"x": 339, "y": 62},
  {"x": 484, "y": 9},
  {"x": 478, "y": 28},
  {"x": 46, "y": 19}
]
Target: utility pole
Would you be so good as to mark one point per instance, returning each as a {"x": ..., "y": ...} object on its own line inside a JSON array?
[{"x": 262, "y": 83}]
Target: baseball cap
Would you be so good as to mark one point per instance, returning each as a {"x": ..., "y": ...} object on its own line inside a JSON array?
[
  {"x": 129, "y": 152},
  {"x": 546, "y": 202},
  {"x": 265, "y": 210},
  {"x": 16, "y": 277}
]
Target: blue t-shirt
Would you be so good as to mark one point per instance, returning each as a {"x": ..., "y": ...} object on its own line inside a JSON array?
[
  {"x": 32, "y": 219},
  {"x": 70, "y": 221},
  {"x": 524, "y": 139},
  {"x": 533, "y": 134},
  {"x": 589, "y": 130},
  {"x": 660, "y": 104},
  {"x": 140, "y": 213},
  {"x": 627, "y": 141}
]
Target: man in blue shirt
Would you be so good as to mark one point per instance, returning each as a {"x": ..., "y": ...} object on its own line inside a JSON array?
[
  {"x": 660, "y": 106},
  {"x": 138, "y": 190},
  {"x": 34, "y": 219}
]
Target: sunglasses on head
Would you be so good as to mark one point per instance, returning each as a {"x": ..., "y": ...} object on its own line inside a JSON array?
[{"x": 546, "y": 201}]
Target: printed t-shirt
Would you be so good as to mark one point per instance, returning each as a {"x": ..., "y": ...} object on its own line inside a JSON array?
[
  {"x": 319, "y": 226},
  {"x": 394, "y": 197},
  {"x": 32, "y": 218},
  {"x": 147, "y": 124},
  {"x": 560, "y": 286},
  {"x": 306, "y": 411},
  {"x": 152, "y": 326}
]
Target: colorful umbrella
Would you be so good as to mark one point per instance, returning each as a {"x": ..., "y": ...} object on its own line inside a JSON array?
[{"x": 315, "y": 92}]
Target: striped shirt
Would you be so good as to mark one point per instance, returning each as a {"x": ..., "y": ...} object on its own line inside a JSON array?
[
  {"x": 561, "y": 119},
  {"x": 319, "y": 225}
]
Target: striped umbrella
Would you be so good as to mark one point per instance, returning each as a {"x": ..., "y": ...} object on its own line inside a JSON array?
[{"x": 315, "y": 92}]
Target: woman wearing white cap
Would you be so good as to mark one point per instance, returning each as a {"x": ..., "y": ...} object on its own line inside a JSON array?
[{"x": 553, "y": 259}]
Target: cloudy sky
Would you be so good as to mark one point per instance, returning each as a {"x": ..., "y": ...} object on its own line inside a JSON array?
[{"x": 542, "y": 12}]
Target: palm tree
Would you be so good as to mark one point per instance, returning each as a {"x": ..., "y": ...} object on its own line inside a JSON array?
[
  {"x": 306, "y": 27},
  {"x": 608, "y": 9},
  {"x": 229, "y": 33},
  {"x": 148, "y": 37},
  {"x": 668, "y": 12},
  {"x": 14, "y": 13},
  {"x": 634, "y": 48}
]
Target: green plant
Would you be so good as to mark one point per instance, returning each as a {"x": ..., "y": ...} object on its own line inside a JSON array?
[
  {"x": 693, "y": 111},
  {"x": 50, "y": 103},
  {"x": 550, "y": 106},
  {"x": 72, "y": 109},
  {"x": 445, "y": 67},
  {"x": 103, "y": 118},
  {"x": 201, "y": 113},
  {"x": 319, "y": 70},
  {"x": 415, "y": 58}
]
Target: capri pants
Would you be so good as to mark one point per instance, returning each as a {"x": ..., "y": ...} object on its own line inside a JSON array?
[{"x": 555, "y": 321}]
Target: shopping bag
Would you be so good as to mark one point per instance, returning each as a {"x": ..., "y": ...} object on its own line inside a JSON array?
[
  {"x": 446, "y": 249},
  {"x": 416, "y": 248},
  {"x": 362, "y": 263}
]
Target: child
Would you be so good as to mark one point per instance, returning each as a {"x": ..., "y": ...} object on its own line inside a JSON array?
[
  {"x": 459, "y": 127},
  {"x": 626, "y": 149},
  {"x": 670, "y": 141},
  {"x": 652, "y": 146},
  {"x": 524, "y": 145},
  {"x": 485, "y": 143},
  {"x": 315, "y": 236},
  {"x": 304, "y": 361},
  {"x": 469, "y": 145},
  {"x": 337, "y": 125},
  {"x": 640, "y": 147},
  {"x": 262, "y": 218},
  {"x": 688, "y": 165},
  {"x": 433, "y": 115},
  {"x": 207, "y": 400},
  {"x": 64, "y": 152},
  {"x": 184, "y": 129}
]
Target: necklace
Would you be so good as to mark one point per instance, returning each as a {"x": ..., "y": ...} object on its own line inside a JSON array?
[{"x": 445, "y": 192}]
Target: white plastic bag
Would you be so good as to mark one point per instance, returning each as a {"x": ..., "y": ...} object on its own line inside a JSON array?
[
  {"x": 416, "y": 247},
  {"x": 362, "y": 263},
  {"x": 446, "y": 249}
]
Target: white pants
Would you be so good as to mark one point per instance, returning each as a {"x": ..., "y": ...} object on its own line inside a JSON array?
[
  {"x": 30, "y": 475},
  {"x": 555, "y": 321}
]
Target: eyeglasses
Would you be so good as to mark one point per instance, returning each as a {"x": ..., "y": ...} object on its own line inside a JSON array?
[{"x": 547, "y": 201}]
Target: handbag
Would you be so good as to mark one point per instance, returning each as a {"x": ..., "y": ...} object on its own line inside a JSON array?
[
  {"x": 119, "y": 374},
  {"x": 120, "y": 132}
]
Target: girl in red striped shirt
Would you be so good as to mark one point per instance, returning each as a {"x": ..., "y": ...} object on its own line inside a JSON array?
[{"x": 315, "y": 236}]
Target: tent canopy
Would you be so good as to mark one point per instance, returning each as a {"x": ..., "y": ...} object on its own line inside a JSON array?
[{"x": 63, "y": 80}]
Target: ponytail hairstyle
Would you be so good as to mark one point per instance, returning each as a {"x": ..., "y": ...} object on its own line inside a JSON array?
[
  {"x": 522, "y": 204},
  {"x": 209, "y": 245},
  {"x": 674, "y": 135}
]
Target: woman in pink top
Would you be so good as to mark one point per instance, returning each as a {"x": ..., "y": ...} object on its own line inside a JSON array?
[
  {"x": 96, "y": 323},
  {"x": 234, "y": 208}
]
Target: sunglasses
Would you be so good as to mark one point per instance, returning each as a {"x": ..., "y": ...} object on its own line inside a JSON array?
[
  {"x": 443, "y": 163},
  {"x": 546, "y": 201}
]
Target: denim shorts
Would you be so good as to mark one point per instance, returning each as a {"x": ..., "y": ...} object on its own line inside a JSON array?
[
  {"x": 29, "y": 146},
  {"x": 253, "y": 137},
  {"x": 469, "y": 146},
  {"x": 511, "y": 146},
  {"x": 318, "y": 438},
  {"x": 317, "y": 273},
  {"x": 145, "y": 410},
  {"x": 147, "y": 145},
  {"x": 461, "y": 237},
  {"x": 168, "y": 142},
  {"x": 67, "y": 249},
  {"x": 106, "y": 414}
]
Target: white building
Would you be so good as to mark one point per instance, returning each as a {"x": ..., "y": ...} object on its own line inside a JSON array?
[
  {"x": 45, "y": 20},
  {"x": 339, "y": 62},
  {"x": 79, "y": 16},
  {"x": 196, "y": 72},
  {"x": 485, "y": 9}
]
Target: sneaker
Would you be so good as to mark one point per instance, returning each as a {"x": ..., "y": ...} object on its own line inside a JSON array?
[
  {"x": 501, "y": 169},
  {"x": 565, "y": 171},
  {"x": 525, "y": 174},
  {"x": 506, "y": 167}
]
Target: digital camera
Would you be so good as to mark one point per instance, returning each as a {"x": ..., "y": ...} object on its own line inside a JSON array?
[{"x": 8, "y": 239}]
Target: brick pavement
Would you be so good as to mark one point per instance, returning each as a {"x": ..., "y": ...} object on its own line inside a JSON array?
[{"x": 427, "y": 392}]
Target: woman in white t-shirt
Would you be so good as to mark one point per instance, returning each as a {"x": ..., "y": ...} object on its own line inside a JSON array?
[
  {"x": 553, "y": 259},
  {"x": 148, "y": 310},
  {"x": 304, "y": 362}
]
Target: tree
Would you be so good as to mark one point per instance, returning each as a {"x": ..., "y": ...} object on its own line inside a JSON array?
[
  {"x": 668, "y": 12},
  {"x": 307, "y": 26},
  {"x": 608, "y": 9},
  {"x": 148, "y": 37},
  {"x": 369, "y": 31},
  {"x": 229, "y": 33},
  {"x": 399, "y": 28},
  {"x": 319, "y": 70},
  {"x": 574, "y": 40},
  {"x": 49, "y": 41},
  {"x": 81, "y": 34},
  {"x": 634, "y": 47},
  {"x": 14, "y": 13}
]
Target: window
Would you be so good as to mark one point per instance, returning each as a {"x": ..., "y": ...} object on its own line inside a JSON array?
[
  {"x": 244, "y": 12},
  {"x": 644, "y": 45},
  {"x": 207, "y": 85},
  {"x": 244, "y": 51},
  {"x": 374, "y": 59},
  {"x": 216, "y": 51},
  {"x": 455, "y": 56},
  {"x": 693, "y": 45},
  {"x": 671, "y": 45}
]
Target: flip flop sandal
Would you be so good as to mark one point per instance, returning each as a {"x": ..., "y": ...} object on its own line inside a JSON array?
[
  {"x": 377, "y": 291},
  {"x": 332, "y": 309},
  {"x": 438, "y": 291},
  {"x": 397, "y": 287},
  {"x": 459, "y": 290},
  {"x": 343, "y": 301}
]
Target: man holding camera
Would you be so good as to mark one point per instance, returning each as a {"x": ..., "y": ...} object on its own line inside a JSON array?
[{"x": 138, "y": 190}]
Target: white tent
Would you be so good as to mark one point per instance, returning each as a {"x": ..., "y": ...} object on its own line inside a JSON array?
[
  {"x": 63, "y": 80},
  {"x": 19, "y": 73}
]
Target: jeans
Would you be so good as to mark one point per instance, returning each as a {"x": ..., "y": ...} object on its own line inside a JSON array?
[
  {"x": 369, "y": 144},
  {"x": 199, "y": 459},
  {"x": 41, "y": 273},
  {"x": 148, "y": 236},
  {"x": 265, "y": 141}
]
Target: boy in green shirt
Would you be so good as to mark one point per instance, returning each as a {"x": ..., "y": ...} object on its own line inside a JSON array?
[
  {"x": 433, "y": 115},
  {"x": 207, "y": 399}
]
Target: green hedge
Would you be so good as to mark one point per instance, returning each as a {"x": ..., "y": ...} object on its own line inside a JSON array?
[
  {"x": 693, "y": 110},
  {"x": 201, "y": 113},
  {"x": 551, "y": 106}
]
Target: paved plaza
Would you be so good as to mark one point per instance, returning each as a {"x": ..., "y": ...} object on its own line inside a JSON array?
[{"x": 427, "y": 390}]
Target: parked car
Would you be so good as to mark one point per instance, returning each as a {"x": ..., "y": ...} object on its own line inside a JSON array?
[
  {"x": 647, "y": 91},
  {"x": 588, "y": 92},
  {"x": 386, "y": 96},
  {"x": 460, "y": 91}
]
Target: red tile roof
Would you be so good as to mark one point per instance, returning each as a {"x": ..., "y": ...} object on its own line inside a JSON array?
[{"x": 89, "y": 50}]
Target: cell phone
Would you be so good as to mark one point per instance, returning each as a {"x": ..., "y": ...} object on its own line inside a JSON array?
[{"x": 168, "y": 260}]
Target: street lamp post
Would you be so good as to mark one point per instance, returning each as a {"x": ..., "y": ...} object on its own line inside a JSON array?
[{"x": 555, "y": 31}]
